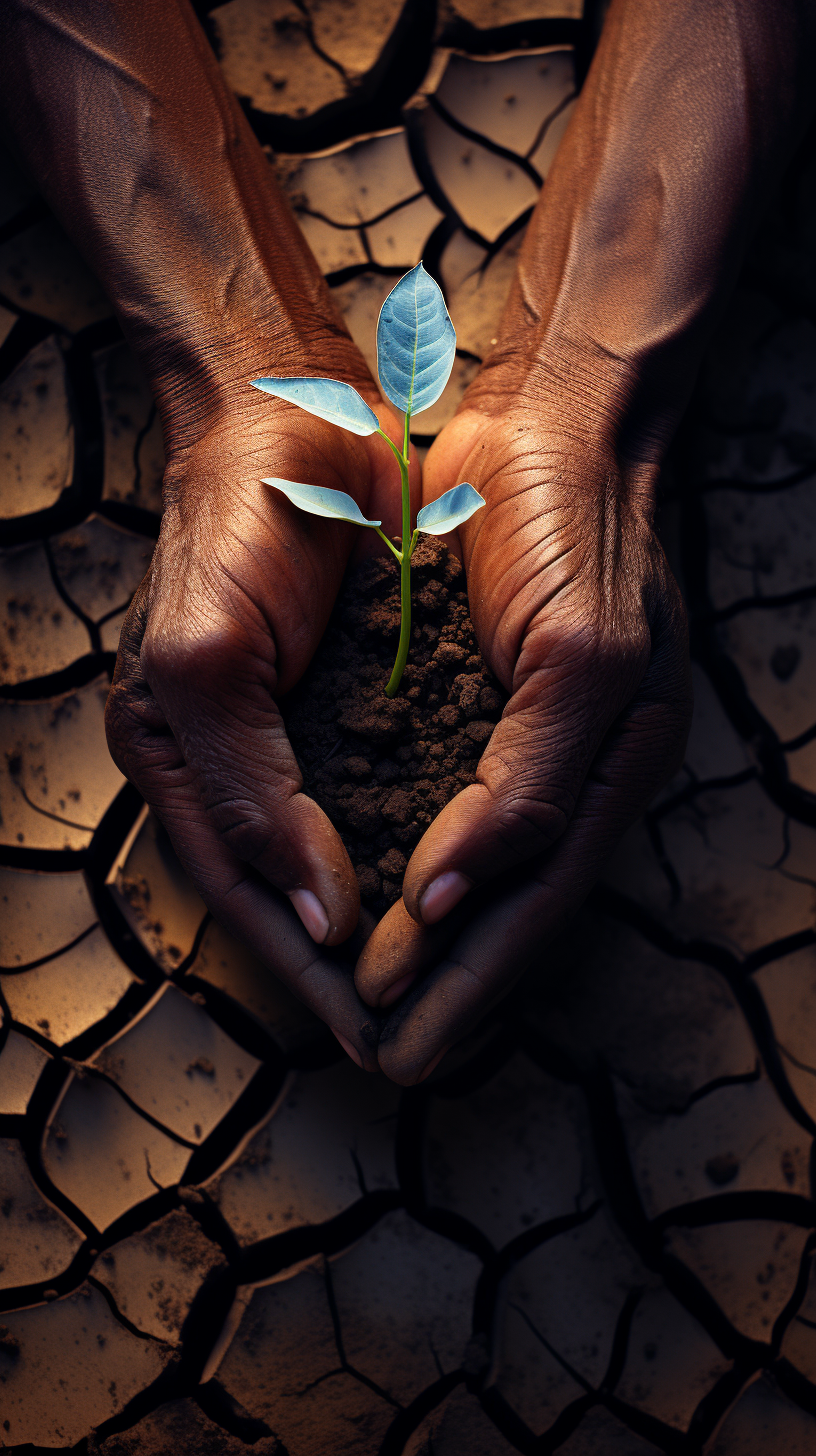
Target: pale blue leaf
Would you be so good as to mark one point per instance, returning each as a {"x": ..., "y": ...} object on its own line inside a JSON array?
[
  {"x": 320, "y": 502},
  {"x": 416, "y": 343},
  {"x": 329, "y": 399},
  {"x": 449, "y": 511}
]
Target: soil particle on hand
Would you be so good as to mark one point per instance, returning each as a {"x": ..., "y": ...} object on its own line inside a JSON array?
[{"x": 383, "y": 768}]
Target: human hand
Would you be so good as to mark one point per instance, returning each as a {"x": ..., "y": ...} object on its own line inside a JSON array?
[
  {"x": 578, "y": 615},
  {"x": 237, "y": 598}
]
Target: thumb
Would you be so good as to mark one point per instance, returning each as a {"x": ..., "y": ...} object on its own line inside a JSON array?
[{"x": 528, "y": 779}]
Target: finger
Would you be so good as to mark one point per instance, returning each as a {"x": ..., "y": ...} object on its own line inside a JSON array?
[
  {"x": 501, "y": 941},
  {"x": 530, "y": 775},
  {"x": 214, "y": 683},
  {"x": 397, "y": 954},
  {"x": 252, "y": 910},
  {"x": 399, "y": 951}
]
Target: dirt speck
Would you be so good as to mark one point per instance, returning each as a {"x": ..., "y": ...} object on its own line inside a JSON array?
[{"x": 383, "y": 768}]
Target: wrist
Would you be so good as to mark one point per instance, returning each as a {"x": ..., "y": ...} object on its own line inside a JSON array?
[
  {"x": 200, "y": 373},
  {"x": 587, "y": 404},
  {"x": 579, "y": 390}
]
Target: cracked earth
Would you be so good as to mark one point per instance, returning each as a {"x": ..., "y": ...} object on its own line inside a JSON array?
[{"x": 593, "y": 1229}]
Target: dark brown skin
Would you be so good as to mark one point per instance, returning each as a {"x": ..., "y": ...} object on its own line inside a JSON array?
[
  {"x": 120, "y": 112},
  {"x": 687, "y": 116},
  {"x": 689, "y": 112}
]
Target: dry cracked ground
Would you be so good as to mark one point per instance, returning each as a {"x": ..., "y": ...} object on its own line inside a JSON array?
[{"x": 593, "y": 1230}]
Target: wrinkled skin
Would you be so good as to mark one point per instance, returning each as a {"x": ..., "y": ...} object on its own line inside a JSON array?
[
  {"x": 238, "y": 595},
  {"x": 579, "y": 617},
  {"x": 672, "y": 149},
  {"x": 121, "y": 113}
]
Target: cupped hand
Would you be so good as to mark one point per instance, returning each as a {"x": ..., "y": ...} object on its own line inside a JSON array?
[
  {"x": 238, "y": 596},
  {"x": 578, "y": 615}
]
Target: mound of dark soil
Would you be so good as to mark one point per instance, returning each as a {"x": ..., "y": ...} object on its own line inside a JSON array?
[{"x": 383, "y": 768}]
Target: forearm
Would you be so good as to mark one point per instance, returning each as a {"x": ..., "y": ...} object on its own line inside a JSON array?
[
  {"x": 688, "y": 115},
  {"x": 119, "y": 110}
]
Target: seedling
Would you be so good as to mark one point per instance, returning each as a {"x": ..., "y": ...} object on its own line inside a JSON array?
[{"x": 416, "y": 346}]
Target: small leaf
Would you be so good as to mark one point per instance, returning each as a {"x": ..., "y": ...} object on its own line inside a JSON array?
[
  {"x": 449, "y": 511},
  {"x": 329, "y": 399},
  {"x": 416, "y": 343},
  {"x": 320, "y": 502}
]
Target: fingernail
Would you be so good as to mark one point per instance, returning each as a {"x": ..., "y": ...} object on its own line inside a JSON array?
[
  {"x": 393, "y": 993},
  {"x": 434, "y": 1063},
  {"x": 347, "y": 1047},
  {"x": 442, "y": 894},
  {"x": 311, "y": 913}
]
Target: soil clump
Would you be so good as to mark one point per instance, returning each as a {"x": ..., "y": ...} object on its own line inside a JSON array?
[{"x": 383, "y": 768}]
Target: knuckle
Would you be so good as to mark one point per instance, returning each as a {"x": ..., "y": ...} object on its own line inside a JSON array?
[
  {"x": 587, "y": 650},
  {"x": 186, "y": 657},
  {"x": 244, "y": 828},
  {"x": 529, "y": 824}
]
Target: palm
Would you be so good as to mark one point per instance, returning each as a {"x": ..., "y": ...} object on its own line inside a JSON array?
[
  {"x": 238, "y": 597},
  {"x": 531, "y": 547},
  {"x": 578, "y": 615},
  {"x": 248, "y": 554}
]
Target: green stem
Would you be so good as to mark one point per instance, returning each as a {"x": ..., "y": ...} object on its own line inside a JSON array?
[
  {"x": 390, "y": 443},
  {"x": 405, "y": 569},
  {"x": 389, "y": 544}
]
